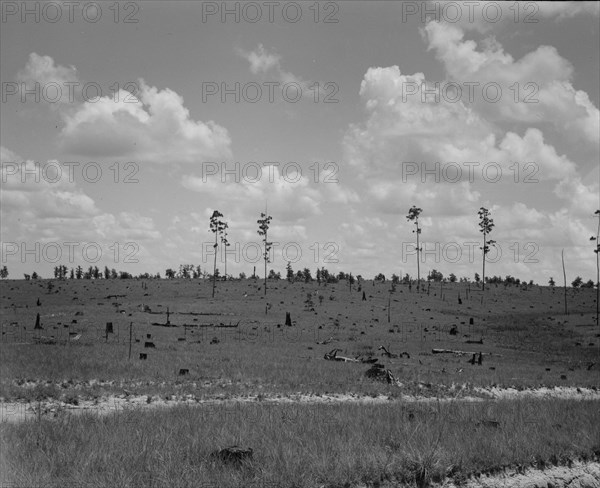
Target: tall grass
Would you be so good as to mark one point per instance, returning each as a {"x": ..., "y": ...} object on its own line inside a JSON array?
[{"x": 298, "y": 445}]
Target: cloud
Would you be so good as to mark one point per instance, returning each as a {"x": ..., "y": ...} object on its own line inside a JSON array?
[
  {"x": 152, "y": 126},
  {"x": 405, "y": 127},
  {"x": 565, "y": 10},
  {"x": 581, "y": 198},
  {"x": 487, "y": 16},
  {"x": 155, "y": 128},
  {"x": 262, "y": 62},
  {"x": 35, "y": 188},
  {"x": 292, "y": 194},
  {"x": 54, "y": 78},
  {"x": 542, "y": 77},
  {"x": 402, "y": 128},
  {"x": 126, "y": 226},
  {"x": 40, "y": 209}
]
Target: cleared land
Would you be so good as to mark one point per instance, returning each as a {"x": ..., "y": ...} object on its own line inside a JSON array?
[{"x": 265, "y": 385}]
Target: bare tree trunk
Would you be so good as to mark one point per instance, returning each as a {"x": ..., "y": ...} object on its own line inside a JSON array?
[
  {"x": 266, "y": 240},
  {"x": 562, "y": 255},
  {"x": 483, "y": 273},
  {"x": 215, "y": 267},
  {"x": 130, "y": 334},
  {"x": 418, "y": 263},
  {"x": 598, "y": 273}
]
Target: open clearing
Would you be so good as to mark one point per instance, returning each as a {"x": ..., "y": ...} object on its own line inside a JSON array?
[{"x": 227, "y": 371}]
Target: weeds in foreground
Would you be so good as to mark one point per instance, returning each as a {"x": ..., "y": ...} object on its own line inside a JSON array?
[{"x": 299, "y": 445}]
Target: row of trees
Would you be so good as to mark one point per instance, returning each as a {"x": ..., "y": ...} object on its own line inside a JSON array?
[
  {"x": 576, "y": 283},
  {"x": 322, "y": 276}
]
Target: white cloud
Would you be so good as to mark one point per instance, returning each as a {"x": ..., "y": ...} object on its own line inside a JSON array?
[
  {"x": 292, "y": 196},
  {"x": 34, "y": 188},
  {"x": 49, "y": 76},
  {"x": 38, "y": 210},
  {"x": 263, "y": 61},
  {"x": 543, "y": 79},
  {"x": 152, "y": 126},
  {"x": 564, "y": 10},
  {"x": 155, "y": 128},
  {"x": 402, "y": 127},
  {"x": 486, "y": 16},
  {"x": 260, "y": 60}
]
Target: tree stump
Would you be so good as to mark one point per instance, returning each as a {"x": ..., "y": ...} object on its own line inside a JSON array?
[
  {"x": 233, "y": 455},
  {"x": 379, "y": 373},
  {"x": 38, "y": 325}
]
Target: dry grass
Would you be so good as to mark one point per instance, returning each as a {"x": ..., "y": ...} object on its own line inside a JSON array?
[
  {"x": 300, "y": 445},
  {"x": 531, "y": 344}
]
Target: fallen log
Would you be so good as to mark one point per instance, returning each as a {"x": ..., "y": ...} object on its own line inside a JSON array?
[
  {"x": 462, "y": 353},
  {"x": 326, "y": 341},
  {"x": 332, "y": 356},
  {"x": 228, "y": 325},
  {"x": 163, "y": 325},
  {"x": 205, "y": 313}
]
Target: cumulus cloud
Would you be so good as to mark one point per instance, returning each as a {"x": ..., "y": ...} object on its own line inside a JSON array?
[
  {"x": 541, "y": 81},
  {"x": 402, "y": 130},
  {"x": 37, "y": 187},
  {"x": 153, "y": 125},
  {"x": 403, "y": 126},
  {"x": 406, "y": 126},
  {"x": 292, "y": 194},
  {"x": 41, "y": 72},
  {"x": 156, "y": 127},
  {"x": 39, "y": 208}
]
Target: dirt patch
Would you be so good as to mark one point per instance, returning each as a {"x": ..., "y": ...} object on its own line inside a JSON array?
[
  {"x": 14, "y": 412},
  {"x": 578, "y": 475},
  {"x": 562, "y": 392}
]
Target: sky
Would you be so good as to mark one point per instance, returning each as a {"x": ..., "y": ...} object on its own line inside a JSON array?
[{"x": 125, "y": 125}]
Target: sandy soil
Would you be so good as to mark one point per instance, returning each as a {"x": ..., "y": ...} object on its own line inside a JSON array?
[
  {"x": 578, "y": 475},
  {"x": 14, "y": 412}
]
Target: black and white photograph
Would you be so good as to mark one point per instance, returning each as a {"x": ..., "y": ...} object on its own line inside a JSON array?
[{"x": 299, "y": 244}]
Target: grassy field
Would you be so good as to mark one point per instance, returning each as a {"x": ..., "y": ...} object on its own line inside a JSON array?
[
  {"x": 526, "y": 339},
  {"x": 301, "y": 445}
]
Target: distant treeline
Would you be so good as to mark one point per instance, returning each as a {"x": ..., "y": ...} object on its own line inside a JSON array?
[{"x": 322, "y": 275}]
